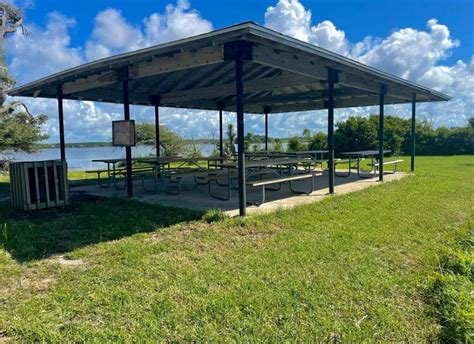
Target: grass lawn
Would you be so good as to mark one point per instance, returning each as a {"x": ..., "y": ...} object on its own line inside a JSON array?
[{"x": 357, "y": 267}]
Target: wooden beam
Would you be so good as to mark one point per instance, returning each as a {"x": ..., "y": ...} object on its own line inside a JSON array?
[
  {"x": 91, "y": 82},
  {"x": 185, "y": 60},
  {"x": 321, "y": 104},
  {"x": 293, "y": 97},
  {"x": 226, "y": 90},
  {"x": 289, "y": 62},
  {"x": 354, "y": 81},
  {"x": 180, "y": 61},
  {"x": 317, "y": 68}
]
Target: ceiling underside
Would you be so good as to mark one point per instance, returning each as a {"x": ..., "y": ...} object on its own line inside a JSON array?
[{"x": 276, "y": 75}]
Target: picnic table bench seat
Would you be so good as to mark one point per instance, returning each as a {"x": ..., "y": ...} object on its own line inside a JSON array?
[
  {"x": 390, "y": 162},
  {"x": 99, "y": 180},
  {"x": 264, "y": 183},
  {"x": 114, "y": 173},
  {"x": 290, "y": 179}
]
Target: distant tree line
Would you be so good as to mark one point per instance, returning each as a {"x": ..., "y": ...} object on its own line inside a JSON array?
[
  {"x": 360, "y": 133},
  {"x": 357, "y": 133}
]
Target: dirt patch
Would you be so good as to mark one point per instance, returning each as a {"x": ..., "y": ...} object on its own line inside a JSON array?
[{"x": 61, "y": 260}]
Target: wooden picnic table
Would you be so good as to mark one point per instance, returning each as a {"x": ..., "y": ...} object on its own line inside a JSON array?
[{"x": 358, "y": 156}]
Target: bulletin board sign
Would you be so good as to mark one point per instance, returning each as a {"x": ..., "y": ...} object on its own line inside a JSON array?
[{"x": 123, "y": 133}]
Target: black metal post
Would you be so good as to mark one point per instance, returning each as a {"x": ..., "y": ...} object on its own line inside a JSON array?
[
  {"x": 332, "y": 79},
  {"x": 266, "y": 111},
  {"x": 157, "y": 130},
  {"x": 239, "y": 92},
  {"x": 62, "y": 144},
  {"x": 128, "y": 150},
  {"x": 221, "y": 132},
  {"x": 413, "y": 132},
  {"x": 383, "y": 91}
]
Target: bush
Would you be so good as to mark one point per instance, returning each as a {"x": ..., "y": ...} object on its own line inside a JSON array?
[
  {"x": 296, "y": 144},
  {"x": 359, "y": 133},
  {"x": 452, "y": 294},
  {"x": 214, "y": 215},
  {"x": 454, "y": 307},
  {"x": 319, "y": 141},
  {"x": 459, "y": 263}
]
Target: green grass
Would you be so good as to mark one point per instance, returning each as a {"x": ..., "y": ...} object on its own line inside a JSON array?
[{"x": 357, "y": 267}]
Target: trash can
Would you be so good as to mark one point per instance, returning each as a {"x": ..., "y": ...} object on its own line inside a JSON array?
[{"x": 38, "y": 184}]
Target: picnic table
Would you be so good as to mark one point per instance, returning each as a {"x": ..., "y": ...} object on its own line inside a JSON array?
[
  {"x": 358, "y": 156},
  {"x": 280, "y": 170},
  {"x": 315, "y": 157},
  {"x": 112, "y": 171},
  {"x": 165, "y": 163},
  {"x": 173, "y": 168}
]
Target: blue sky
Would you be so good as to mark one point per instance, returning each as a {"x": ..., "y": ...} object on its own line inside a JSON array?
[
  {"x": 358, "y": 18},
  {"x": 438, "y": 36}
]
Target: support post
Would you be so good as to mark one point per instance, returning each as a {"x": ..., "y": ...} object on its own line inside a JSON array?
[
  {"x": 157, "y": 130},
  {"x": 126, "y": 111},
  {"x": 62, "y": 144},
  {"x": 332, "y": 79},
  {"x": 413, "y": 132},
  {"x": 383, "y": 91},
  {"x": 239, "y": 92},
  {"x": 220, "y": 106},
  {"x": 266, "y": 110}
]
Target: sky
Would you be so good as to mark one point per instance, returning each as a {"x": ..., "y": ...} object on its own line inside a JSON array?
[{"x": 429, "y": 42}]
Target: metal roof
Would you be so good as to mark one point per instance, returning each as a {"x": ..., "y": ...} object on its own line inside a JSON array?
[{"x": 198, "y": 72}]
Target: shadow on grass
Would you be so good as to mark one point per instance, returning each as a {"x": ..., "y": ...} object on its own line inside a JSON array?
[
  {"x": 4, "y": 188},
  {"x": 86, "y": 221}
]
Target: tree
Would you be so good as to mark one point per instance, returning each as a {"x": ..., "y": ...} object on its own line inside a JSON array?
[
  {"x": 471, "y": 122},
  {"x": 170, "y": 142},
  {"x": 357, "y": 133},
  {"x": 19, "y": 130},
  {"x": 230, "y": 144},
  {"x": 319, "y": 141},
  {"x": 295, "y": 144},
  {"x": 11, "y": 19},
  {"x": 277, "y": 145}
]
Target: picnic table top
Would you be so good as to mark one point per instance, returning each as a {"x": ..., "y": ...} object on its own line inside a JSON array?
[
  {"x": 308, "y": 152},
  {"x": 164, "y": 159},
  {"x": 286, "y": 153},
  {"x": 115, "y": 160},
  {"x": 365, "y": 153},
  {"x": 264, "y": 162}
]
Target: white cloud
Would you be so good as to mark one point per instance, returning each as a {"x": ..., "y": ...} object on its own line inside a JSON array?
[
  {"x": 112, "y": 34},
  {"x": 327, "y": 36},
  {"x": 178, "y": 21},
  {"x": 291, "y": 18},
  {"x": 45, "y": 51},
  {"x": 408, "y": 53}
]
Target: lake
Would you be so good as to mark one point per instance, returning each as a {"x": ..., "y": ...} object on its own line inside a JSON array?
[{"x": 80, "y": 158}]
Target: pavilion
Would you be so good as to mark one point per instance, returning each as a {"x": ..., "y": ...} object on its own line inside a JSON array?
[{"x": 245, "y": 68}]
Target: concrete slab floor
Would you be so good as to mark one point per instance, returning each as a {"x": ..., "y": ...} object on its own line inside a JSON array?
[{"x": 194, "y": 196}]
